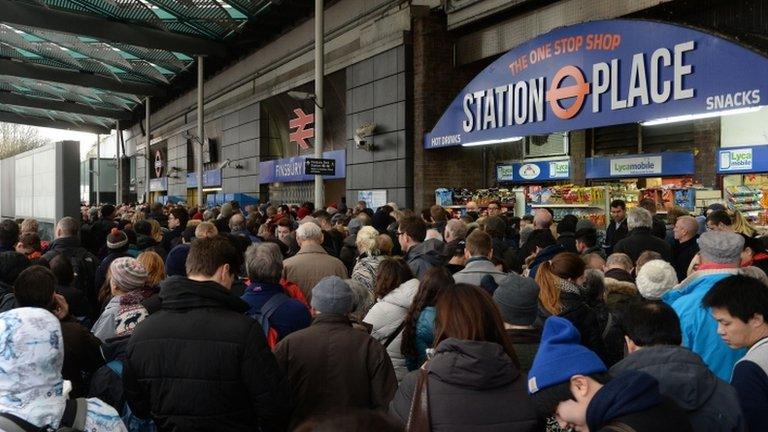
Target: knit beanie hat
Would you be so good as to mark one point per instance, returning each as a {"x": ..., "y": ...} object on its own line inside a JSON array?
[
  {"x": 561, "y": 356},
  {"x": 517, "y": 299},
  {"x": 176, "y": 261},
  {"x": 332, "y": 296},
  {"x": 128, "y": 273},
  {"x": 128, "y": 317},
  {"x": 116, "y": 239},
  {"x": 226, "y": 211},
  {"x": 655, "y": 278}
]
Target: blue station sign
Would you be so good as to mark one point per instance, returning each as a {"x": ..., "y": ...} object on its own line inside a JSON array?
[
  {"x": 665, "y": 164},
  {"x": 292, "y": 169},
  {"x": 743, "y": 160},
  {"x": 601, "y": 73},
  {"x": 534, "y": 171}
]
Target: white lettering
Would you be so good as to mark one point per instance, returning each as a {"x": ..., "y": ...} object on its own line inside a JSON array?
[
  {"x": 599, "y": 84},
  {"x": 637, "y": 81},
  {"x": 680, "y": 70},
  {"x": 659, "y": 95},
  {"x": 467, "y": 124},
  {"x": 616, "y": 102}
]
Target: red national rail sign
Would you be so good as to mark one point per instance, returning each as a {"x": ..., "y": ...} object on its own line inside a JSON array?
[{"x": 300, "y": 122}]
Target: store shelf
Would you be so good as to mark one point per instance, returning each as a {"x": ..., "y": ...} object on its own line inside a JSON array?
[
  {"x": 507, "y": 205},
  {"x": 566, "y": 205}
]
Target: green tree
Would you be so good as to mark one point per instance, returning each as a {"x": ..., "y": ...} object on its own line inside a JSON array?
[{"x": 18, "y": 138}]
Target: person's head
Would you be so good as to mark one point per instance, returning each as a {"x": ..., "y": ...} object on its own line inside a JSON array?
[
  {"x": 284, "y": 229},
  {"x": 226, "y": 211},
  {"x": 434, "y": 281},
  {"x": 565, "y": 266},
  {"x": 107, "y": 211},
  {"x": 646, "y": 256},
  {"x": 649, "y": 205},
  {"x": 178, "y": 218},
  {"x": 567, "y": 224},
  {"x": 237, "y": 222},
  {"x": 721, "y": 247},
  {"x": 467, "y": 312},
  {"x": 739, "y": 304},
  {"x": 565, "y": 375},
  {"x": 674, "y": 213},
  {"x": 540, "y": 239},
  {"x": 391, "y": 274},
  {"x": 685, "y": 228},
  {"x": 29, "y": 242},
  {"x": 542, "y": 219},
  {"x": 455, "y": 229},
  {"x": 67, "y": 227},
  {"x": 29, "y": 225},
  {"x": 176, "y": 260},
  {"x": 154, "y": 265},
  {"x": 586, "y": 238},
  {"x": 472, "y": 206},
  {"x": 752, "y": 246},
  {"x": 126, "y": 274},
  {"x": 618, "y": 210},
  {"x": 639, "y": 218},
  {"x": 117, "y": 241},
  {"x": 478, "y": 244},
  {"x": 526, "y": 221},
  {"x": 143, "y": 227},
  {"x": 361, "y": 205},
  {"x": 719, "y": 220},
  {"x": 385, "y": 244},
  {"x": 594, "y": 261},
  {"x": 433, "y": 234},
  {"x": 264, "y": 263},
  {"x": 213, "y": 259},
  {"x": 650, "y": 323},
  {"x": 62, "y": 268},
  {"x": 593, "y": 288},
  {"x": 206, "y": 230},
  {"x": 34, "y": 287},
  {"x": 411, "y": 232},
  {"x": 323, "y": 218},
  {"x": 309, "y": 233},
  {"x": 741, "y": 225},
  {"x": 367, "y": 241},
  {"x": 332, "y": 296},
  {"x": 9, "y": 233},
  {"x": 157, "y": 231},
  {"x": 494, "y": 208},
  {"x": 619, "y": 260},
  {"x": 438, "y": 213},
  {"x": 517, "y": 302}
]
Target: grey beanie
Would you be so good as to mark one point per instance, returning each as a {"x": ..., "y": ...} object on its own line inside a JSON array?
[
  {"x": 518, "y": 299},
  {"x": 721, "y": 247},
  {"x": 354, "y": 226},
  {"x": 332, "y": 296}
]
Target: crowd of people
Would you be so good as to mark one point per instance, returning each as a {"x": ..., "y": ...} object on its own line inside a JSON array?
[{"x": 290, "y": 318}]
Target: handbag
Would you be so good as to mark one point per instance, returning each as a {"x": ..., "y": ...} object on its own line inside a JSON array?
[{"x": 418, "y": 419}]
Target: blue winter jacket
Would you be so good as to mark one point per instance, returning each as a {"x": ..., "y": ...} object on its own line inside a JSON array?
[
  {"x": 288, "y": 318},
  {"x": 699, "y": 328},
  {"x": 425, "y": 337}
]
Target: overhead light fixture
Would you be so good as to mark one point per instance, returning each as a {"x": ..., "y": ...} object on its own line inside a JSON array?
[
  {"x": 490, "y": 142},
  {"x": 689, "y": 117}
]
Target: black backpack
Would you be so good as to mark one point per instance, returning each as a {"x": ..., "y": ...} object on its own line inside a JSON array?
[
  {"x": 84, "y": 265},
  {"x": 73, "y": 420}
]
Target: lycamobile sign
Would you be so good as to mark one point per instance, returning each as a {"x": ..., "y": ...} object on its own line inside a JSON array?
[
  {"x": 636, "y": 166},
  {"x": 601, "y": 73}
]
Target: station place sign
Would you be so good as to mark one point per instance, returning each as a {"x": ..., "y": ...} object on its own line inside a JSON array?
[{"x": 598, "y": 74}]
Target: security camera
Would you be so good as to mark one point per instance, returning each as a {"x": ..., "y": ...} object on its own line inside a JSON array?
[
  {"x": 300, "y": 95},
  {"x": 362, "y": 135},
  {"x": 225, "y": 163}
]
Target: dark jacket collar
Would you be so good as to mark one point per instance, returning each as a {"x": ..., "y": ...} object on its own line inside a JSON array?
[
  {"x": 473, "y": 364},
  {"x": 628, "y": 393},
  {"x": 641, "y": 231},
  {"x": 332, "y": 319},
  {"x": 178, "y": 292},
  {"x": 65, "y": 243}
]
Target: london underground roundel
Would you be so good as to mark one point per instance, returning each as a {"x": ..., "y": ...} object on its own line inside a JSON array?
[{"x": 598, "y": 74}]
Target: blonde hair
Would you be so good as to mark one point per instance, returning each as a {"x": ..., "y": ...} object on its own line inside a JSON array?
[
  {"x": 137, "y": 216},
  {"x": 157, "y": 233},
  {"x": 29, "y": 225},
  {"x": 206, "y": 229},
  {"x": 154, "y": 265},
  {"x": 564, "y": 266},
  {"x": 741, "y": 225},
  {"x": 367, "y": 240}
]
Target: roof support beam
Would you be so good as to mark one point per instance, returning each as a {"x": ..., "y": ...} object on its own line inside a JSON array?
[
  {"x": 63, "y": 106},
  {"x": 15, "y": 12},
  {"x": 7, "y": 117},
  {"x": 45, "y": 73}
]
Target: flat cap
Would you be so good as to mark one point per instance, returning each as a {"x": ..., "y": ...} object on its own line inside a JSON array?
[{"x": 722, "y": 247}]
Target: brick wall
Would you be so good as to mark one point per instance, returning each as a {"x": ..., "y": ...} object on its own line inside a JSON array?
[{"x": 706, "y": 133}]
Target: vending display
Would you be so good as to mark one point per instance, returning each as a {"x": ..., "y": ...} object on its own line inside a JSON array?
[{"x": 582, "y": 202}]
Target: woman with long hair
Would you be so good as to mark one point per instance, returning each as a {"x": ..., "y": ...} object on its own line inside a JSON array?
[
  {"x": 419, "y": 326},
  {"x": 395, "y": 289},
  {"x": 155, "y": 267},
  {"x": 369, "y": 258},
  {"x": 473, "y": 378}
]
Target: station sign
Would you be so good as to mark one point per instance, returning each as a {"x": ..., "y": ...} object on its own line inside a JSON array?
[
  {"x": 601, "y": 73},
  {"x": 294, "y": 169},
  {"x": 737, "y": 160},
  {"x": 665, "y": 164},
  {"x": 532, "y": 171},
  {"x": 324, "y": 167}
]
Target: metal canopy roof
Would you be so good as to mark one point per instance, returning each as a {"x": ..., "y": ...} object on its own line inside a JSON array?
[{"x": 82, "y": 64}]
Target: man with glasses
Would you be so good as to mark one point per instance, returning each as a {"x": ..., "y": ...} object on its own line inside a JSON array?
[
  {"x": 420, "y": 255},
  {"x": 494, "y": 208}
]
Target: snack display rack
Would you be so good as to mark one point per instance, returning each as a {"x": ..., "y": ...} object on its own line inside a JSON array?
[
  {"x": 583, "y": 202},
  {"x": 456, "y": 199}
]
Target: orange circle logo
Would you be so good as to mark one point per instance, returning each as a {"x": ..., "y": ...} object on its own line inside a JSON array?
[{"x": 556, "y": 94}]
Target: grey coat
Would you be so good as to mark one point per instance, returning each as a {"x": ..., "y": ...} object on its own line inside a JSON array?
[
  {"x": 477, "y": 268},
  {"x": 711, "y": 403}
]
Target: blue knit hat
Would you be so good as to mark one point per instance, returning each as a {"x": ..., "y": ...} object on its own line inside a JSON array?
[
  {"x": 176, "y": 261},
  {"x": 561, "y": 356}
]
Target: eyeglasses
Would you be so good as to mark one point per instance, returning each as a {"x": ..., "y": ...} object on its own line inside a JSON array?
[{"x": 400, "y": 233}]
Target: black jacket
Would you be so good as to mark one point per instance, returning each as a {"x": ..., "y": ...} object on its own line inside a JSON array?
[
  {"x": 711, "y": 404},
  {"x": 659, "y": 228},
  {"x": 172, "y": 238},
  {"x": 105, "y": 383},
  {"x": 585, "y": 318},
  {"x": 641, "y": 239},
  {"x": 614, "y": 235},
  {"x": 81, "y": 354},
  {"x": 473, "y": 386},
  {"x": 199, "y": 364},
  {"x": 682, "y": 255}
]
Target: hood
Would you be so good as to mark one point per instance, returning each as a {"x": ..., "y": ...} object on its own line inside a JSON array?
[
  {"x": 545, "y": 254},
  {"x": 144, "y": 242},
  {"x": 614, "y": 286},
  {"x": 11, "y": 264},
  {"x": 178, "y": 292},
  {"x": 619, "y": 275},
  {"x": 65, "y": 243},
  {"x": 115, "y": 348},
  {"x": 627, "y": 393},
  {"x": 31, "y": 356},
  {"x": 430, "y": 251},
  {"x": 472, "y": 364},
  {"x": 692, "y": 282},
  {"x": 403, "y": 295},
  {"x": 681, "y": 374}
]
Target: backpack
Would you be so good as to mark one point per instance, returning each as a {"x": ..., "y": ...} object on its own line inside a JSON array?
[
  {"x": 265, "y": 313},
  {"x": 73, "y": 420},
  {"x": 84, "y": 265},
  {"x": 132, "y": 423}
]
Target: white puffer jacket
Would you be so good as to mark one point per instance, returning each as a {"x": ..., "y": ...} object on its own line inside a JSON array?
[{"x": 387, "y": 315}]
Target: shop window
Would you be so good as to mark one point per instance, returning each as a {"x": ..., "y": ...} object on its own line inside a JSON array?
[
  {"x": 555, "y": 144},
  {"x": 669, "y": 137}
]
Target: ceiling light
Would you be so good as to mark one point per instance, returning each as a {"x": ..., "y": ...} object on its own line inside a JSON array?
[
  {"x": 490, "y": 142},
  {"x": 689, "y": 117}
]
